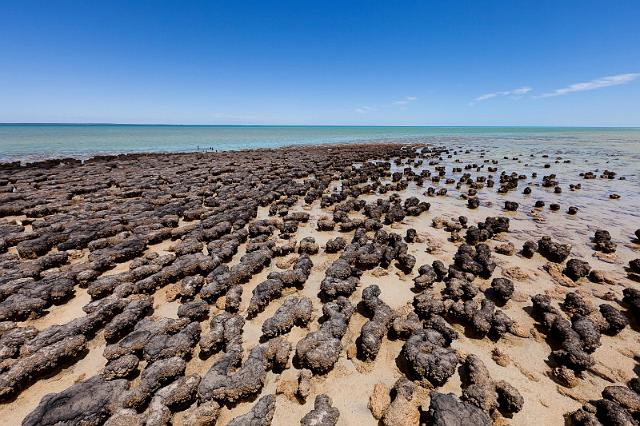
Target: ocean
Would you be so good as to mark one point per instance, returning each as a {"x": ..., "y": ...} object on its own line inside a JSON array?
[{"x": 29, "y": 142}]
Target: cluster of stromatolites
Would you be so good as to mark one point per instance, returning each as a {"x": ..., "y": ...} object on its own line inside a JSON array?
[{"x": 224, "y": 238}]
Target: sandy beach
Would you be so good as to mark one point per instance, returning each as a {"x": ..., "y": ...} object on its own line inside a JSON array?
[{"x": 360, "y": 284}]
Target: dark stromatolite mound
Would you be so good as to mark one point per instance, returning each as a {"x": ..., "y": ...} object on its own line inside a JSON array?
[
  {"x": 276, "y": 282},
  {"x": 263, "y": 294},
  {"x": 341, "y": 279},
  {"x": 153, "y": 377},
  {"x": 602, "y": 241},
  {"x": 308, "y": 245},
  {"x": 120, "y": 368},
  {"x": 459, "y": 288},
  {"x": 577, "y": 269},
  {"x": 623, "y": 396},
  {"x": 574, "y": 304},
  {"x": 225, "y": 333},
  {"x": 502, "y": 289},
  {"x": 261, "y": 414},
  {"x": 430, "y": 310},
  {"x": 12, "y": 338},
  {"x": 475, "y": 260},
  {"x": 124, "y": 322},
  {"x": 483, "y": 320},
  {"x": 374, "y": 330},
  {"x": 404, "y": 326},
  {"x": 25, "y": 298},
  {"x": 230, "y": 380},
  {"x": 411, "y": 236},
  {"x": 511, "y": 206},
  {"x": 448, "y": 410},
  {"x": 323, "y": 413},
  {"x": 619, "y": 405},
  {"x": 632, "y": 300},
  {"x": 428, "y": 356},
  {"x": 482, "y": 391},
  {"x": 222, "y": 278},
  {"x": 173, "y": 397},
  {"x": 487, "y": 229},
  {"x": 196, "y": 310},
  {"x": 98, "y": 314},
  {"x": 367, "y": 252},
  {"x": 553, "y": 251},
  {"x": 90, "y": 402},
  {"x": 427, "y": 276},
  {"x": 173, "y": 344},
  {"x": 616, "y": 321},
  {"x": 319, "y": 350},
  {"x": 147, "y": 330},
  {"x": 577, "y": 338},
  {"x": 40, "y": 363},
  {"x": 529, "y": 248},
  {"x": 293, "y": 311},
  {"x": 335, "y": 245}
]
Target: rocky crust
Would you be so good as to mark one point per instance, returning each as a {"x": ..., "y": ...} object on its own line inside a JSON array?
[{"x": 319, "y": 350}]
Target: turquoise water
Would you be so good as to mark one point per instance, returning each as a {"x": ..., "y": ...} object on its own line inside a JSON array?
[{"x": 28, "y": 142}]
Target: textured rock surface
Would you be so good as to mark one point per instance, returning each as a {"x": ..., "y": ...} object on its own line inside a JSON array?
[
  {"x": 90, "y": 402},
  {"x": 323, "y": 413}
]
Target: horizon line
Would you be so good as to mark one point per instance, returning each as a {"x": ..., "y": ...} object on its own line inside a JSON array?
[{"x": 44, "y": 123}]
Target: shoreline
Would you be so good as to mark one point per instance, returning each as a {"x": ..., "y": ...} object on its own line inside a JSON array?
[
  {"x": 33, "y": 143},
  {"x": 52, "y": 160},
  {"x": 185, "y": 247}
]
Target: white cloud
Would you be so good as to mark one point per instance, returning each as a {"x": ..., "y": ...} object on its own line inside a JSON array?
[
  {"x": 401, "y": 104},
  {"x": 364, "y": 109},
  {"x": 406, "y": 100},
  {"x": 612, "y": 80},
  {"x": 515, "y": 92}
]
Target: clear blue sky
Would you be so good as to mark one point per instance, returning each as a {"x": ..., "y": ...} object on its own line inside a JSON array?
[{"x": 512, "y": 62}]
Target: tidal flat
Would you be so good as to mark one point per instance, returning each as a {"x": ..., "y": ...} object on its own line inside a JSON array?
[{"x": 379, "y": 283}]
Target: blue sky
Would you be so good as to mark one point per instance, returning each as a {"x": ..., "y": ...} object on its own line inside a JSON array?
[{"x": 369, "y": 62}]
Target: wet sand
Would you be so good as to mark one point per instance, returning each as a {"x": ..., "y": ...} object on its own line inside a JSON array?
[{"x": 145, "y": 183}]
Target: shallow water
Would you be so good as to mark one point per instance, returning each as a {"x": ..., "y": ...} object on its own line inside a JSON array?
[{"x": 27, "y": 142}]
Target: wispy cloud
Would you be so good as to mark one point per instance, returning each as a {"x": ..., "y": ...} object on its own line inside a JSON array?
[
  {"x": 364, "y": 109},
  {"x": 612, "y": 80},
  {"x": 406, "y": 100},
  {"x": 515, "y": 92},
  {"x": 401, "y": 103}
]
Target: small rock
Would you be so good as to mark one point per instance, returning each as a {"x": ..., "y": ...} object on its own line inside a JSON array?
[
  {"x": 577, "y": 269},
  {"x": 500, "y": 358},
  {"x": 403, "y": 411},
  {"x": 510, "y": 206},
  {"x": 623, "y": 396},
  {"x": 508, "y": 249},
  {"x": 379, "y": 401},
  {"x": 596, "y": 276},
  {"x": 565, "y": 376},
  {"x": 529, "y": 249}
]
